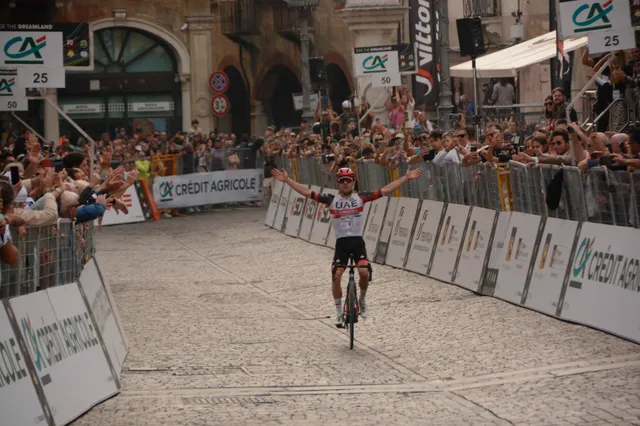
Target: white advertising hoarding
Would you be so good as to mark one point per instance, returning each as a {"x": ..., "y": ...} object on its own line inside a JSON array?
[
  {"x": 550, "y": 267},
  {"x": 198, "y": 189},
  {"x": 64, "y": 346},
  {"x": 424, "y": 236},
  {"x": 282, "y": 208},
  {"x": 387, "y": 227},
  {"x": 273, "y": 203},
  {"x": 322, "y": 223},
  {"x": 449, "y": 241},
  {"x": 310, "y": 210},
  {"x": 604, "y": 280},
  {"x": 331, "y": 238},
  {"x": 496, "y": 253},
  {"x": 375, "y": 221},
  {"x": 19, "y": 402},
  {"x": 131, "y": 200},
  {"x": 295, "y": 208},
  {"x": 514, "y": 265},
  {"x": 98, "y": 299},
  {"x": 401, "y": 234},
  {"x": 475, "y": 248}
]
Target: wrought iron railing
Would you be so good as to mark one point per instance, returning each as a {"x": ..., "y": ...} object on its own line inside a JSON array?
[
  {"x": 285, "y": 18},
  {"x": 481, "y": 8},
  {"x": 238, "y": 17}
]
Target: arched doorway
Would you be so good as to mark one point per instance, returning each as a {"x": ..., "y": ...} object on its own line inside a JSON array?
[
  {"x": 339, "y": 89},
  {"x": 276, "y": 94},
  {"x": 135, "y": 84},
  {"x": 239, "y": 99}
]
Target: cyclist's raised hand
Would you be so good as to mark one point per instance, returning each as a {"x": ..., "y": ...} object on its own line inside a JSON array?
[
  {"x": 280, "y": 175},
  {"x": 414, "y": 173}
]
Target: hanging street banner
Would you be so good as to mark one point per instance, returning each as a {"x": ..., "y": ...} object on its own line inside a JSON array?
[
  {"x": 581, "y": 17},
  {"x": 197, "y": 189},
  {"x": 424, "y": 31}
]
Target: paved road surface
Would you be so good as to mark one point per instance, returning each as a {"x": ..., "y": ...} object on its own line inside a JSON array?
[{"x": 228, "y": 323}]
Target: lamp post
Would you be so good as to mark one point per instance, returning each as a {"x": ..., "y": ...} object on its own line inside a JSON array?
[{"x": 304, "y": 7}]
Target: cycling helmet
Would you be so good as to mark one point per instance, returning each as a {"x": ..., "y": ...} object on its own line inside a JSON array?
[{"x": 345, "y": 172}]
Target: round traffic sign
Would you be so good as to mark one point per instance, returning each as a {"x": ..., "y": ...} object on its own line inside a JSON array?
[
  {"x": 219, "y": 82},
  {"x": 220, "y": 105}
]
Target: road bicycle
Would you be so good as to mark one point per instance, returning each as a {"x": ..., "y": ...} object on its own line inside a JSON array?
[{"x": 351, "y": 303}]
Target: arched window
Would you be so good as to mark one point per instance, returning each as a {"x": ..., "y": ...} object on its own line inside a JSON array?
[{"x": 125, "y": 50}]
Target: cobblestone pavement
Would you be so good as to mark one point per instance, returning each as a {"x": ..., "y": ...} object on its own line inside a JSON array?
[{"x": 228, "y": 323}]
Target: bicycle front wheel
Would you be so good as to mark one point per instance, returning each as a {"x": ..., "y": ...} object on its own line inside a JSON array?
[{"x": 353, "y": 314}]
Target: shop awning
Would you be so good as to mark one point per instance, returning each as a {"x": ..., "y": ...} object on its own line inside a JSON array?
[{"x": 507, "y": 62}]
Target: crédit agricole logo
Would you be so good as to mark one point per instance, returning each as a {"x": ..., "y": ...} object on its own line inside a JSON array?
[
  {"x": 593, "y": 16},
  {"x": 24, "y": 50}
]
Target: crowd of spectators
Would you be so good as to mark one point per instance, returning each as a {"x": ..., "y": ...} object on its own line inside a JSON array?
[{"x": 40, "y": 184}]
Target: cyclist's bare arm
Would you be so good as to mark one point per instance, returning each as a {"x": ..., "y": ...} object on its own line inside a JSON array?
[
  {"x": 298, "y": 187},
  {"x": 282, "y": 176},
  {"x": 410, "y": 175}
]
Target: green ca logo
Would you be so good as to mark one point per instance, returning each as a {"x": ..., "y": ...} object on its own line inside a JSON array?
[
  {"x": 596, "y": 18},
  {"x": 166, "y": 191},
  {"x": 583, "y": 254},
  {"x": 375, "y": 63},
  {"x": 6, "y": 85},
  {"x": 28, "y": 50}
]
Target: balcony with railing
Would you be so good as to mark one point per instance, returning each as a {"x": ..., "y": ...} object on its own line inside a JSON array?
[
  {"x": 238, "y": 17},
  {"x": 481, "y": 8},
  {"x": 286, "y": 21}
]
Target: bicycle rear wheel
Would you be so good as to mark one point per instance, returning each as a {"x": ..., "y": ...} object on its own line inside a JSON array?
[{"x": 353, "y": 314}]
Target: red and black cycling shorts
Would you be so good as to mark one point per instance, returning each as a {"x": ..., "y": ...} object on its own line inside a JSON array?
[{"x": 349, "y": 247}]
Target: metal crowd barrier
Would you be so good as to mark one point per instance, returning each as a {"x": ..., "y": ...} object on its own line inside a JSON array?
[
  {"x": 48, "y": 256},
  {"x": 599, "y": 195}
]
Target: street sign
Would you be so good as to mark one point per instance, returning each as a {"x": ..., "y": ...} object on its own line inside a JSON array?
[
  {"x": 220, "y": 105},
  {"x": 30, "y": 48},
  {"x": 582, "y": 17},
  {"x": 375, "y": 59},
  {"x": 41, "y": 77},
  {"x": 219, "y": 82},
  {"x": 613, "y": 40},
  {"x": 385, "y": 80}
]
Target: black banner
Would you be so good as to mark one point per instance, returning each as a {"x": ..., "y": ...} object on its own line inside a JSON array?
[{"x": 425, "y": 35}]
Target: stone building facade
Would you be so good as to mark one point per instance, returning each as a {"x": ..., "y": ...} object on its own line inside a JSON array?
[{"x": 164, "y": 52}]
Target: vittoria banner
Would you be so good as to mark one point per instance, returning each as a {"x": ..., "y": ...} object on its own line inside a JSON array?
[{"x": 425, "y": 34}]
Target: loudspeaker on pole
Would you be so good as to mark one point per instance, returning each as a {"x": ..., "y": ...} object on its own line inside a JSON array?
[{"x": 470, "y": 37}]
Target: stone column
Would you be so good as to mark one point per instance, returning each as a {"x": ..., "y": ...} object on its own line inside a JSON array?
[
  {"x": 200, "y": 27},
  {"x": 185, "y": 88},
  {"x": 258, "y": 119},
  {"x": 51, "y": 119},
  {"x": 373, "y": 23}
]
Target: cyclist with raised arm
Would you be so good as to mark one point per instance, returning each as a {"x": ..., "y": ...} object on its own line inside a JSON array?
[{"x": 346, "y": 211}]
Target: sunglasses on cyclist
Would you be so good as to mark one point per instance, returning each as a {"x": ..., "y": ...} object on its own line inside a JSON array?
[{"x": 345, "y": 180}]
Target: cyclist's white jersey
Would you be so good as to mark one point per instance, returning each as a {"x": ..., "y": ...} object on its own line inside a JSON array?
[{"x": 347, "y": 213}]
